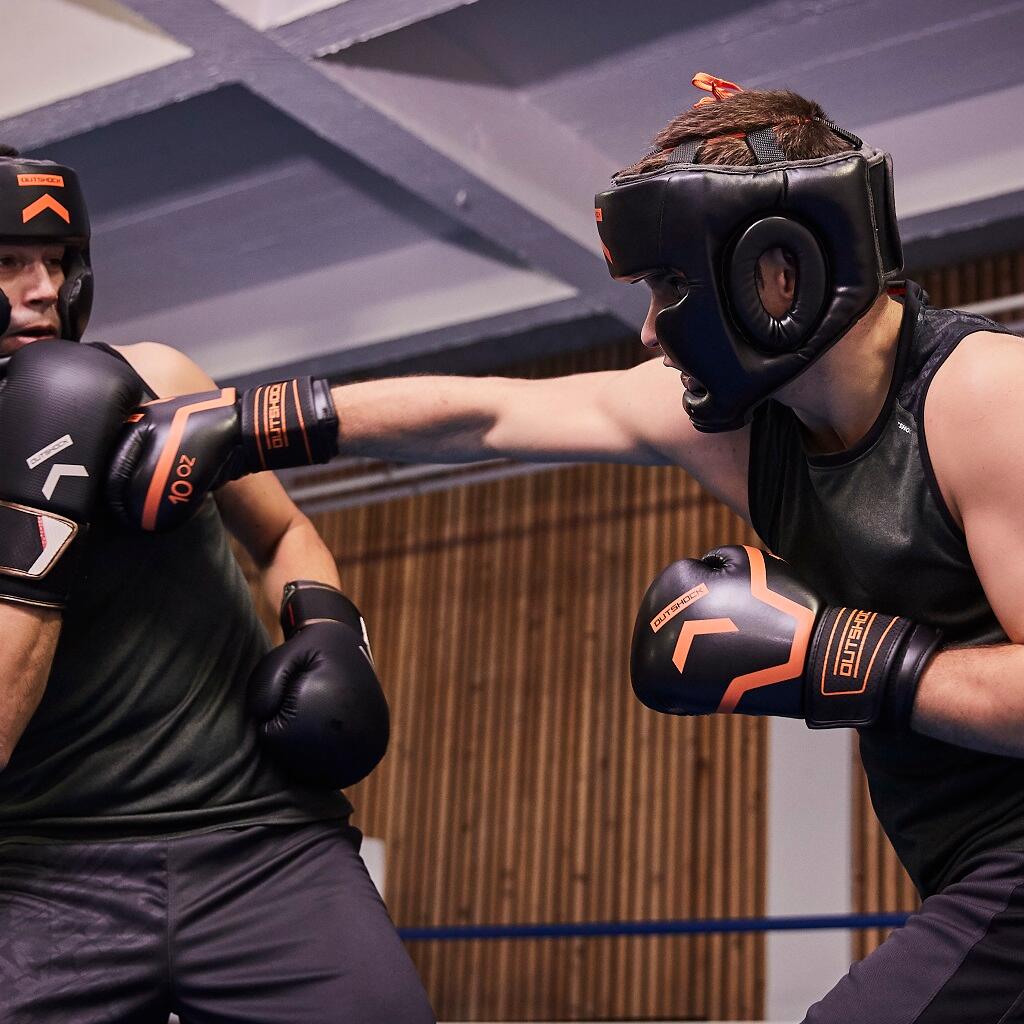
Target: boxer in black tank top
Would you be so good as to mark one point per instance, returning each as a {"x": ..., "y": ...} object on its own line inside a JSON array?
[
  {"x": 868, "y": 526},
  {"x": 875, "y": 449}
]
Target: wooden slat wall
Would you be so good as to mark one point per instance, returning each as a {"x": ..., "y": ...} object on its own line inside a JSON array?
[
  {"x": 976, "y": 281},
  {"x": 880, "y": 883},
  {"x": 524, "y": 782}
]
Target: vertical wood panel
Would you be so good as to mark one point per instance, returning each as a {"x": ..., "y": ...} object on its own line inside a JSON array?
[{"x": 524, "y": 782}]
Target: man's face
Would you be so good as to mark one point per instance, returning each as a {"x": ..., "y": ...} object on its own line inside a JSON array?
[
  {"x": 30, "y": 277},
  {"x": 666, "y": 291},
  {"x": 775, "y": 276}
]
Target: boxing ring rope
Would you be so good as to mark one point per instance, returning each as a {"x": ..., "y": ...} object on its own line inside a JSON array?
[
  {"x": 380, "y": 483},
  {"x": 682, "y": 926},
  {"x": 594, "y": 929}
]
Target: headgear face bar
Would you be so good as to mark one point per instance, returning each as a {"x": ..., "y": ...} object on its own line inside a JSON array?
[
  {"x": 41, "y": 203},
  {"x": 707, "y": 226}
]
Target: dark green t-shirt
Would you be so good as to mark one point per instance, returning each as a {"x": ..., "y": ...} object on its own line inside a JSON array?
[{"x": 142, "y": 730}]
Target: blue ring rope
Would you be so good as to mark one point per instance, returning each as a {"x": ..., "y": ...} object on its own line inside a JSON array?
[{"x": 605, "y": 929}]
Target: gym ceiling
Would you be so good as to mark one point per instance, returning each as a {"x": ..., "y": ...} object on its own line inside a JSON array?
[{"x": 355, "y": 187}]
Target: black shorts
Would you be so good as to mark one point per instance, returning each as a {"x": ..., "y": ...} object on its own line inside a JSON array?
[
  {"x": 958, "y": 960},
  {"x": 267, "y": 924}
]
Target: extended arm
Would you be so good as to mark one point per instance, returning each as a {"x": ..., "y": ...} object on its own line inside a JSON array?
[
  {"x": 177, "y": 450},
  {"x": 616, "y": 415}
]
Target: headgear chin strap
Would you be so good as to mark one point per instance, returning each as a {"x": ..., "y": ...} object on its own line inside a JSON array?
[
  {"x": 708, "y": 226},
  {"x": 41, "y": 203}
]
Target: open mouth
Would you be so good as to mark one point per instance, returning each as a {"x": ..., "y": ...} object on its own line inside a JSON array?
[
  {"x": 33, "y": 332},
  {"x": 22, "y": 336},
  {"x": 693, "y": 386}
]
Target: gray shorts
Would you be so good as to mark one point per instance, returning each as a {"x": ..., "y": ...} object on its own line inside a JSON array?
[
  {"x": 267, "y": 924},
  {"x": 958, "y": 960}
]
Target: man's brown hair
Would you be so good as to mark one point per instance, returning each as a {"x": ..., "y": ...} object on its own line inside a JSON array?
[
  {"x": 723, "y": 123},
  {"x": 8, "y": 150}
]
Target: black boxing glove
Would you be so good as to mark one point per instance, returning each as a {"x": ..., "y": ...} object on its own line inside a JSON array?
[
  {"x": 737, "y": 632},
  {"x": 61, "y": 408},
  {"x": 173, "y": 451},
  {"x": 320, "y": 708}
]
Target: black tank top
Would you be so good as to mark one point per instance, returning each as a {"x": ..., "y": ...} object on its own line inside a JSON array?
[
  {"x": 868, "y": 527},
  {"x": 142, "y": 730}
]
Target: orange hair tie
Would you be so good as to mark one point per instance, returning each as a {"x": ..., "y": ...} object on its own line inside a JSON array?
[{"x": 720, "y": 88}]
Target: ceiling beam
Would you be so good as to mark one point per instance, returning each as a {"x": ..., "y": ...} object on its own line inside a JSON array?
[
  {"x": 479, "y": 346},
  {"x": 356, "y": 21},
  {"x": 234, "y": 50}
]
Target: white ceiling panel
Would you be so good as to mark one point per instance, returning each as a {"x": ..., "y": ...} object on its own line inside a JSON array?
[
  {"x": 264, "y": 14},
  {"x": 53, "y": 49}
]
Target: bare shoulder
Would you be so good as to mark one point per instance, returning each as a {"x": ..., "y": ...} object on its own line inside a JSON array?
[
  {"x": 984, "y": 370},
  {"x": 166, "y": 370},
  {"x": 972, "y": 415}
]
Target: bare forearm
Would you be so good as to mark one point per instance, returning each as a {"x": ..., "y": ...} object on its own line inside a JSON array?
[
  {"x": 462, "y": 419},
  {"x": 974, "y": 698},
  {"x": 420, "y": 419},
  {"x": 30, "y": 639},
  {"x": 299, "y": 554}
]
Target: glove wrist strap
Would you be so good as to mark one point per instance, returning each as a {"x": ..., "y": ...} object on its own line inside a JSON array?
[
  {"x": 289, "y": 423},
  {"x": 864, "y": 668},
  {"x": 309, "y": 601},
  {"x": 36, "y": 559}
]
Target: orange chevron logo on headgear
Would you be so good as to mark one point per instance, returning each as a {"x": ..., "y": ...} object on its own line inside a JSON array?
[{"x": 41, "y": 205}]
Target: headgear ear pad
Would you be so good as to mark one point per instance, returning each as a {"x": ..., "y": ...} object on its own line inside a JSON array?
[
  {"x": 42, "y": 203},
  {"x": 767, "y": 333}
]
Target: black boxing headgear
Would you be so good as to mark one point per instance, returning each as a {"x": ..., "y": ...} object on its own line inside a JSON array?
[
  {"x": 41, "y": 203},
  {"x": 708, "y": 225}
]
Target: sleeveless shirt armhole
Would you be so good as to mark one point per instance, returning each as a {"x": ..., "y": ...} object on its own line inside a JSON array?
[
  {"x": 926, "y": 461},
  {"x": 117, "y": 355}
]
